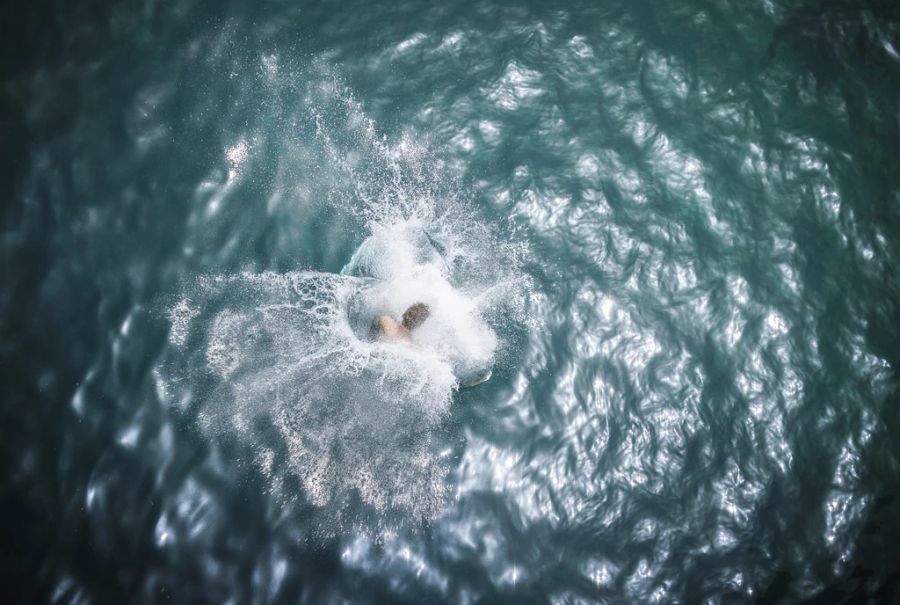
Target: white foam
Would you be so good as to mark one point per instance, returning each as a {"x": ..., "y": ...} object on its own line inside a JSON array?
[
  {"x": 355, "y": 414},
  {"x": 291, "y": 352}
]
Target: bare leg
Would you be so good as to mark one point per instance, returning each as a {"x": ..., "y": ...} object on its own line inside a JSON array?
[{"x": 387, "y": 329}]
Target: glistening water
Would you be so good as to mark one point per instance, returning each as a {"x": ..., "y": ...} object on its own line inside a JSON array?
[{"x": 668, "y": 230}]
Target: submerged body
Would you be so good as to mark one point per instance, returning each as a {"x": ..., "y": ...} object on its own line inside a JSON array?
[{"x": 386, "y": 328}]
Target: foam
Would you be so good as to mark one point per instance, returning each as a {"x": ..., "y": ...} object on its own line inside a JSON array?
[
  {"x": 292, "y": 351},
  {"x": 288, "y": 354}
]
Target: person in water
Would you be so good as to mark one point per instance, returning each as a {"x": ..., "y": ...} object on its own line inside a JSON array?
[{"x": 384, "y": 327}]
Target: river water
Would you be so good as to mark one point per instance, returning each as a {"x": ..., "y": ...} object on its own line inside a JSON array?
[{"x": 668, "y": 230}]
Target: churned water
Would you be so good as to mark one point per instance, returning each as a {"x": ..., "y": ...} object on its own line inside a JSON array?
[{"x": 668, "y": 230}]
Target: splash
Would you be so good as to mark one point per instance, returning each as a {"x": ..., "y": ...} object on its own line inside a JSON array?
[{"x": 285, "y": 363}]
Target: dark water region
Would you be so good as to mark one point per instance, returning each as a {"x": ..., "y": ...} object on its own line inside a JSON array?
[{"x": 670, "y": 228}]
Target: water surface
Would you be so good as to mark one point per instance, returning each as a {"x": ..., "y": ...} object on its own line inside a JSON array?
[{"x": 669, "y": 228}]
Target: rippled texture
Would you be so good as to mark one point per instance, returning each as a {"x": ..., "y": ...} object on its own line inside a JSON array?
[{"x": 698, "y": 401}]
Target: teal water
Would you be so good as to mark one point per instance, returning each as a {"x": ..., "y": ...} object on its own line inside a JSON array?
[{"x": 669, "y": 228}]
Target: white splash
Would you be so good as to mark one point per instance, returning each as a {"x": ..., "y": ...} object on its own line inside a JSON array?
[{"x": 284, "y": 363}]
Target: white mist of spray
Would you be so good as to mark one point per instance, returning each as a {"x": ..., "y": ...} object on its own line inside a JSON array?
[{"x": 290, "y": 354}]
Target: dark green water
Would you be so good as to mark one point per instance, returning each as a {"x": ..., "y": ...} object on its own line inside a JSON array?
[{"x": 678, "y": 224}]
